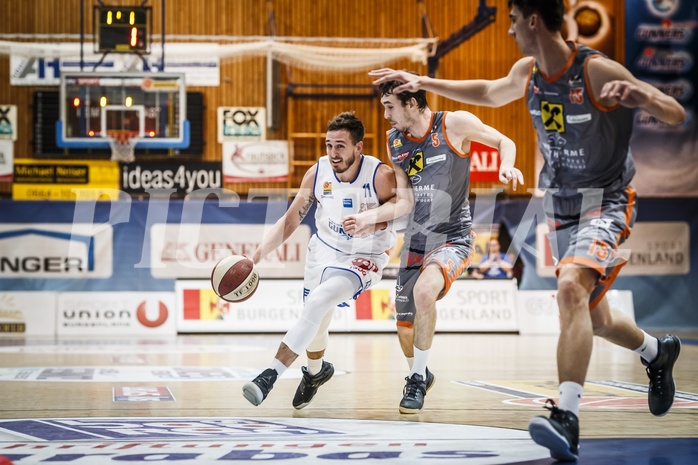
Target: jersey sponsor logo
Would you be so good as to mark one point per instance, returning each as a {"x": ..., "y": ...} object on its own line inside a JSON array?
[
  {"x": 416, "y": 179},
  {"x": 327, "y": 188},
  {"x": 397, "y": 143},
  {"x": 347, "y": 203},
  {"x": 577, "y": 95},
  {"x": 436, "y": 159},
  {"x": 553, "y": 115},
  {"x": 402, "y": 156},
  {"x": 416, "y": 164},
  {"x": 578, "y": 119}
]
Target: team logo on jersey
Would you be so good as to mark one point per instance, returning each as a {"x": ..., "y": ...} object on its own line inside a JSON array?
[
  {"x": 577, "y": 95},
  {"x": 553, "y": 115},
  {"x": 397, "y": 143},
  {"x": 347, "y": 203},
  {"x": 416, "y": 164},
  {"x": 327, "y": 188}
]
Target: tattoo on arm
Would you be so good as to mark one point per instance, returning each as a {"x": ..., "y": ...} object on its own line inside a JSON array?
[{"x": 304, "y": 210}]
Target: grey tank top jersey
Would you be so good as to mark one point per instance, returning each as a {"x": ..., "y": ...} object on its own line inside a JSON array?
[
  {"x": 440, "y": 177},
  {"x": 583, "y": 144}
]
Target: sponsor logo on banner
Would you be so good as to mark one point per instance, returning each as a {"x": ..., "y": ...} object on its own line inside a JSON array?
[
  {"x": 119, "y": 374},
  {"x": 263, "y": 161},
  {"x": 28, "y": 313},
  {"x": 192, "y": 250},
  {"x": 8, "y": 122},
  {"x": 56, "y": 250},
  {"x": 199, "y": 62},
  {"x": 184, "y": 177},
  {"x": 7, "y": 155},
  {"x": 64, "y": 179},
  {"x": 274, "y": 308},
  {"x": 653, "y": 249},
  {"x": 115, "y": 313},
  {"x": 100, "y": 441},
  {"x": 242, "y": 124},
  {"x": 484, "y": 163}
]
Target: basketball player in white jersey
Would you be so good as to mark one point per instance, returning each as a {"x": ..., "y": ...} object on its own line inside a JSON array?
[{"x": 339, "y": 266}]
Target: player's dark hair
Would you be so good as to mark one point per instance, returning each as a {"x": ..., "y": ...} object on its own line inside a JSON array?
[
  {"x": 550, "y": 11},
  {"x": 348, "y": 121},
  {"x": 420, "y": 96}
]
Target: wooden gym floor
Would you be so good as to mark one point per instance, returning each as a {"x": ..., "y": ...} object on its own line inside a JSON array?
[{"x": 107, "y": 400}]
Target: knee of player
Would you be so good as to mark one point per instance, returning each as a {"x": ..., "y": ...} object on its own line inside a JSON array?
[{"x": 570, "y": 292}]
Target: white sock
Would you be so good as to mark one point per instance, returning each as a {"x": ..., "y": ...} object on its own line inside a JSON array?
[
  {"x": 649, "y": 348},
  {"x": 570, "y": 396},
  {"x": 419, "y": 365},
  {"x": 410, "y": 362},
  {"x": 278, "y": 366},
  {"x": 314, "y": 366}
]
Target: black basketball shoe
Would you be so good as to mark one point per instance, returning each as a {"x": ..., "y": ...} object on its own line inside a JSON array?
[
  {"x": 431, "y": 379},
  {"x": 310, "y": 384},
  {"x": 413, "y": 394},
  {"x": 559, "y": 433},
  {"x": 257, "y": 390},
  {"x": 662, "y": 389}
]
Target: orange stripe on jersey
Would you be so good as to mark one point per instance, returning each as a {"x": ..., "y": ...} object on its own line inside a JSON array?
[
  {"x": 448, "y": 142},
  {"x": 590, "y": 90},
  {"x": 570, "y": 60}
]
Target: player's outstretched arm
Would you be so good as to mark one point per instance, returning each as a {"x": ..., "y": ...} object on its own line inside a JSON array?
[
  {"x": 395, "y": 194},
  {"x": 290, "y": 220},
  {"x": 467, "y": 127},
  {"x": 613, "y": 84},
  {"x": 491, "y": 93}
]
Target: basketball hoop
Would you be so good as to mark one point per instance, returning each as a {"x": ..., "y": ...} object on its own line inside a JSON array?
[{"x": 123, "y": 144}]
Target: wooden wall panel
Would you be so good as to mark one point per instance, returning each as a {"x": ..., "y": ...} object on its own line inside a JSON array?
[{"x": 489, "y": 54}]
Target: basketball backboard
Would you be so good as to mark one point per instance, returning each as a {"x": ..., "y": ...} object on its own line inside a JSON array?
[{"x": 150, "y": 108}]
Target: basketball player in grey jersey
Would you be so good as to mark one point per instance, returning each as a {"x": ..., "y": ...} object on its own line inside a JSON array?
[
  {"x": 583, "y": 133},
  {"x": 432, "y": 149}
]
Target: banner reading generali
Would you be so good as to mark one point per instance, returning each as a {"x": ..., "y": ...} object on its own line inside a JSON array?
[{"x": 661, "y": 42}]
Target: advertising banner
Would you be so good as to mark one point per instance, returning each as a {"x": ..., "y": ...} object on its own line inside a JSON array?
[
  {"x": 242, "y": 124},
  {"x": 6, "y": 160},
  {"x": 122, "y": 313},
  {"x": 199, "y": 63},
  {"x": 179, "y": 177},
  {"x": 661, "y": 48},
  {"x": 27, "y": 313},
  {"x": 8, "y": 122},
  {"x": 480, "y": 306},
  {"x": 264, "y": 161},
  {"x": 64, "y": 179}
]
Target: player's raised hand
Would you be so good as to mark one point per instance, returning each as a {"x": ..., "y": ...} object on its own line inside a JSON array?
[{"x": 411, "y": 81}]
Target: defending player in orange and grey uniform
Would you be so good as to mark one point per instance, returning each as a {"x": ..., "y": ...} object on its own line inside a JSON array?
[
  {"x": 339, "y": 265},
  {"x": 432, "y": 150},
  {"x": 581, "y": 103}
]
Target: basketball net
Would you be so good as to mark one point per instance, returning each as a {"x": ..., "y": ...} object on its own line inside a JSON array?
[{"x": 123, "y": 144}]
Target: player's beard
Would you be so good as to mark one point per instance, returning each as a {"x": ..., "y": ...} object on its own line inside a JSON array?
[{"x": 345, "y": 165}]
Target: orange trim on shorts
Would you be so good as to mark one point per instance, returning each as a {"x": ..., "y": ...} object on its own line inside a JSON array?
[
  {"x": 629, "y": 209},
  {"x": 404, "y": 324},
  {"x": 444, "y": 268},
  {"x": 607, "y": 281},
  {"x": 582, "y": 262}
]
